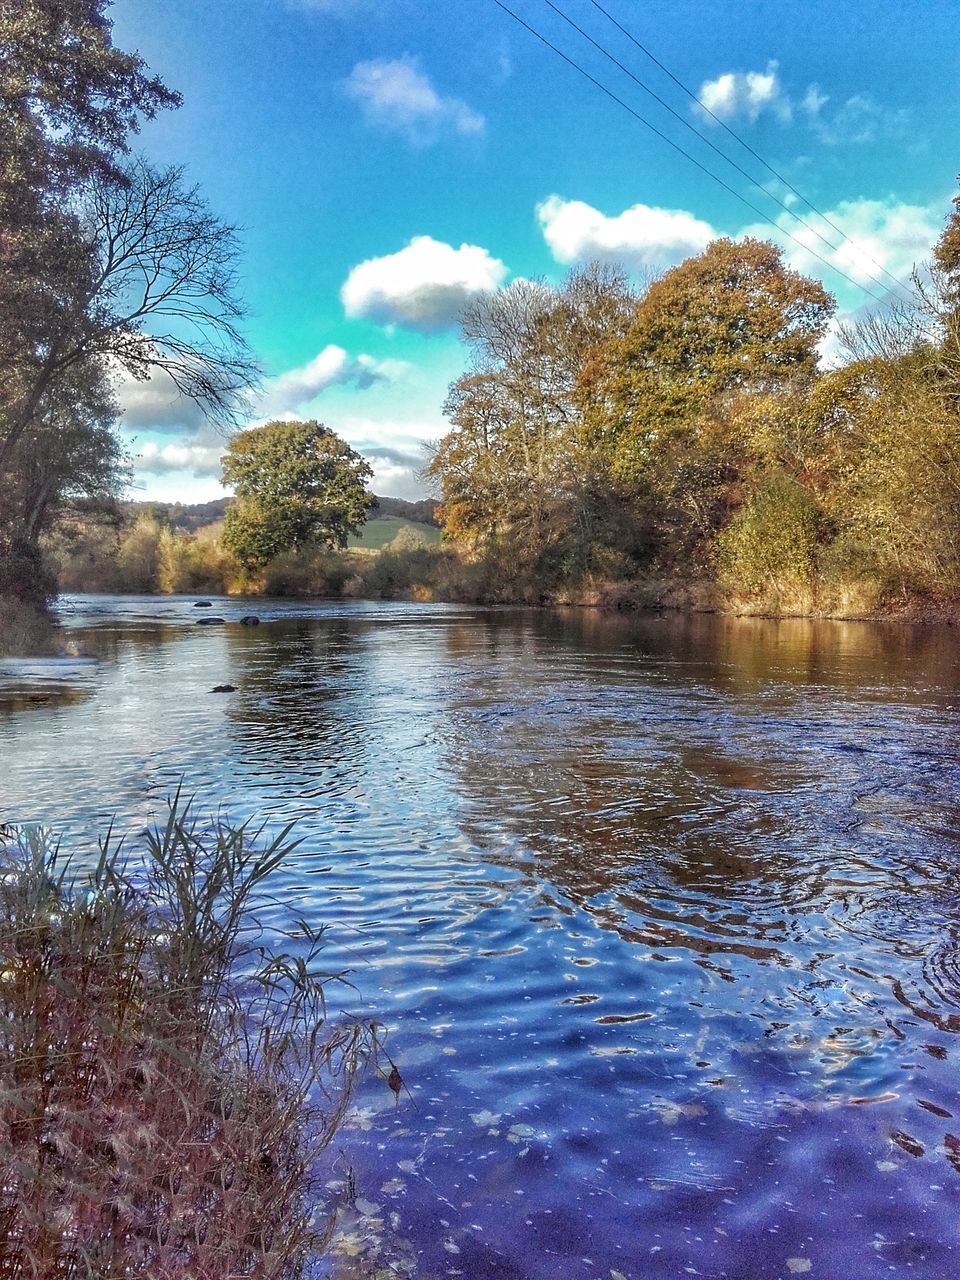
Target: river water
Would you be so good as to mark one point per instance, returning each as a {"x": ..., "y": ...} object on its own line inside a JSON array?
[{"x": 663, "y": 914}]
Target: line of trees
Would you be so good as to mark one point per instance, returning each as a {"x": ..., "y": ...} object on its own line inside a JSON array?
[
  {"x": 687, "y": 430},
  {"x": 109, "y": 267}
]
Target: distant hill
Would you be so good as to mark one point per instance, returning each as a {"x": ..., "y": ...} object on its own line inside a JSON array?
[{"x": 194, "y": 515}]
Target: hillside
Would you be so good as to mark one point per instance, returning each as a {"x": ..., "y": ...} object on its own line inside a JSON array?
[{"x": 190, "y": 517}]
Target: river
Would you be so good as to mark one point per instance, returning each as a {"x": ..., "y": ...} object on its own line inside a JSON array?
[{"x": 662, "y": 913}]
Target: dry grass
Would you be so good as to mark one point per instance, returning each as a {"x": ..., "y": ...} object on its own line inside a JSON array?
[{"x": 168, "y": 1083}]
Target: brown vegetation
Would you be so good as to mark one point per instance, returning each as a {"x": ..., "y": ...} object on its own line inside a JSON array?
[{"x": 168, "y": 1084}]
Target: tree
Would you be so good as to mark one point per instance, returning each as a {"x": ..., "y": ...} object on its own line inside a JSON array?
[
  {"x": 68, "y": 102},
  {"x": 511, "y": 467},
  {"x": 107, "y": 267},
  {"x": 158, "y": 294},
  {"x": 297, "y": 485}
]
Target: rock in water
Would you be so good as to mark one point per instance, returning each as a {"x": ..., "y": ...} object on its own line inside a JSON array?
[
  {"x": 210, "y": 622},
  {"x": 250, "y": 620}
]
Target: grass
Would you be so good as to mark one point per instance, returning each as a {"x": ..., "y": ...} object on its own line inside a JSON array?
[
  {"x": 168, "y": 1082},
  {"x": 376, "y": 534}
]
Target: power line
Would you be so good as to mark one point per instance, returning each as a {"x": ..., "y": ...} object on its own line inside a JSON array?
[
  {"x": 747, "y": 147},
  {"x": 676, "y": 147},
  {"x": 713, "y": 147}
]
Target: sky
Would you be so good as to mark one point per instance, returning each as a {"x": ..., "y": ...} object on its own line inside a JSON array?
[{"x": 388, "y": 160}]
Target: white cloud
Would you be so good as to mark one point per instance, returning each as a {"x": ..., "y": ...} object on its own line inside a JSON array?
[
  {"x": 202, "y": 461},
  {"x": 395, "y": 449},
  {"x": 424, "y": 286},
  {"x": 331, "y": 367},
  {"x": 642, "y": 237},
  {"x": 879, "y": 233},
  {"x": 887, "y": 234},
  {"x": 745, "y": 93},
  {"x": 155, "y": 404},
  {"x": 814, "y": 101},
  {"x": 396, "y": 95}
]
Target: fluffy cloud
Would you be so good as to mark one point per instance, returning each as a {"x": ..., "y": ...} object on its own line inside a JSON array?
[
  {"x": 396, "y": 95},
  {"x": 744, "y": 94},
  {"x": 857, "y": 120},
  {"x": 332, "y": 367},
  {"x": 747, "y": 95},
  {"x": 202, "y": 461},
  {"x": 895, "y": 235},
  {"x": 424, "y": 286},
  {"x": 397, "y": 451},
  {"x": 156, "y": 404},
  {"x": 642, "y": 237}
]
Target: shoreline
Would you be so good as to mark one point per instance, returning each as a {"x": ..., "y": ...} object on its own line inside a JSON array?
[{"x": 676, "y": 599}]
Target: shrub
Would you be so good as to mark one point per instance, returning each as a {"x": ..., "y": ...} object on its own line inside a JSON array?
[
  {"x": 770, "y": 547},
  {"x": 168, "y": 1084},
  {"x": 138, "y": 555}
]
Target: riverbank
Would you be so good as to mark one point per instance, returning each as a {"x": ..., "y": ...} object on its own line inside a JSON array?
[
  {"x": 148, "y": 557},
  {"x": 161, "y": 1071}
]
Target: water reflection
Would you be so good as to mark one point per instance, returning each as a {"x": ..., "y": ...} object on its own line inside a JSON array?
[{"x": 664, "y": 912}]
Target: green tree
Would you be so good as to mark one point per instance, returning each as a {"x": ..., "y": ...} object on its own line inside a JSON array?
[{"x": 297, "y": 485}]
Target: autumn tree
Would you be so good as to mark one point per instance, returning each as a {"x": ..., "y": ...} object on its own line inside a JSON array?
[
  {"x": 297, "y": 486},
  {"x": 514, "y": 466},
  {"x": 731, "y": 320}
]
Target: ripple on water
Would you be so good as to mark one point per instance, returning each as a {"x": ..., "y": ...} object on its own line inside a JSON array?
[{"x": 660, "y": 914}]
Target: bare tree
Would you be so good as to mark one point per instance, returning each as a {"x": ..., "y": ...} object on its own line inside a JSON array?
[{"x": 157, "y": 291}]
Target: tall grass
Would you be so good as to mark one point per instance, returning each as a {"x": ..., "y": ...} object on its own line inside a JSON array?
[{"x": 168, "y": 1082}]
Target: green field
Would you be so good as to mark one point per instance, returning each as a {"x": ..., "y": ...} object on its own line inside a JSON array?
[{"x": 375, "y": 534}]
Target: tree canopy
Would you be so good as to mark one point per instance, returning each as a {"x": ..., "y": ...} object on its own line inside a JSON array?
[{"x": 690, "y": 430}]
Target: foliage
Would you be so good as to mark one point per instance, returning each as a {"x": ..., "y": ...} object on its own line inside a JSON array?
[
  {"x": 169, "y": 1083},
  {"x": 605, "y": 445},
  {"x": 68, "y": 100},
  {"x": 732, "y": 319},
  {"x": 26, "y": 630},
  {"x": 298, "y": 485},
  {"x": 695, "y": 433},
  {"x": 770, "y": 547}
]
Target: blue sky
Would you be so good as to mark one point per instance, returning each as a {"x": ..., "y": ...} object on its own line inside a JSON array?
[{"x": 388, "y": 159}]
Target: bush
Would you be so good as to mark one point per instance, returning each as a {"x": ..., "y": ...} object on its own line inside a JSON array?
[
  {"x": 769, "y": 550},
  {"x": 168, "y": 1085},
  {"x": 23, "y": 574}
]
